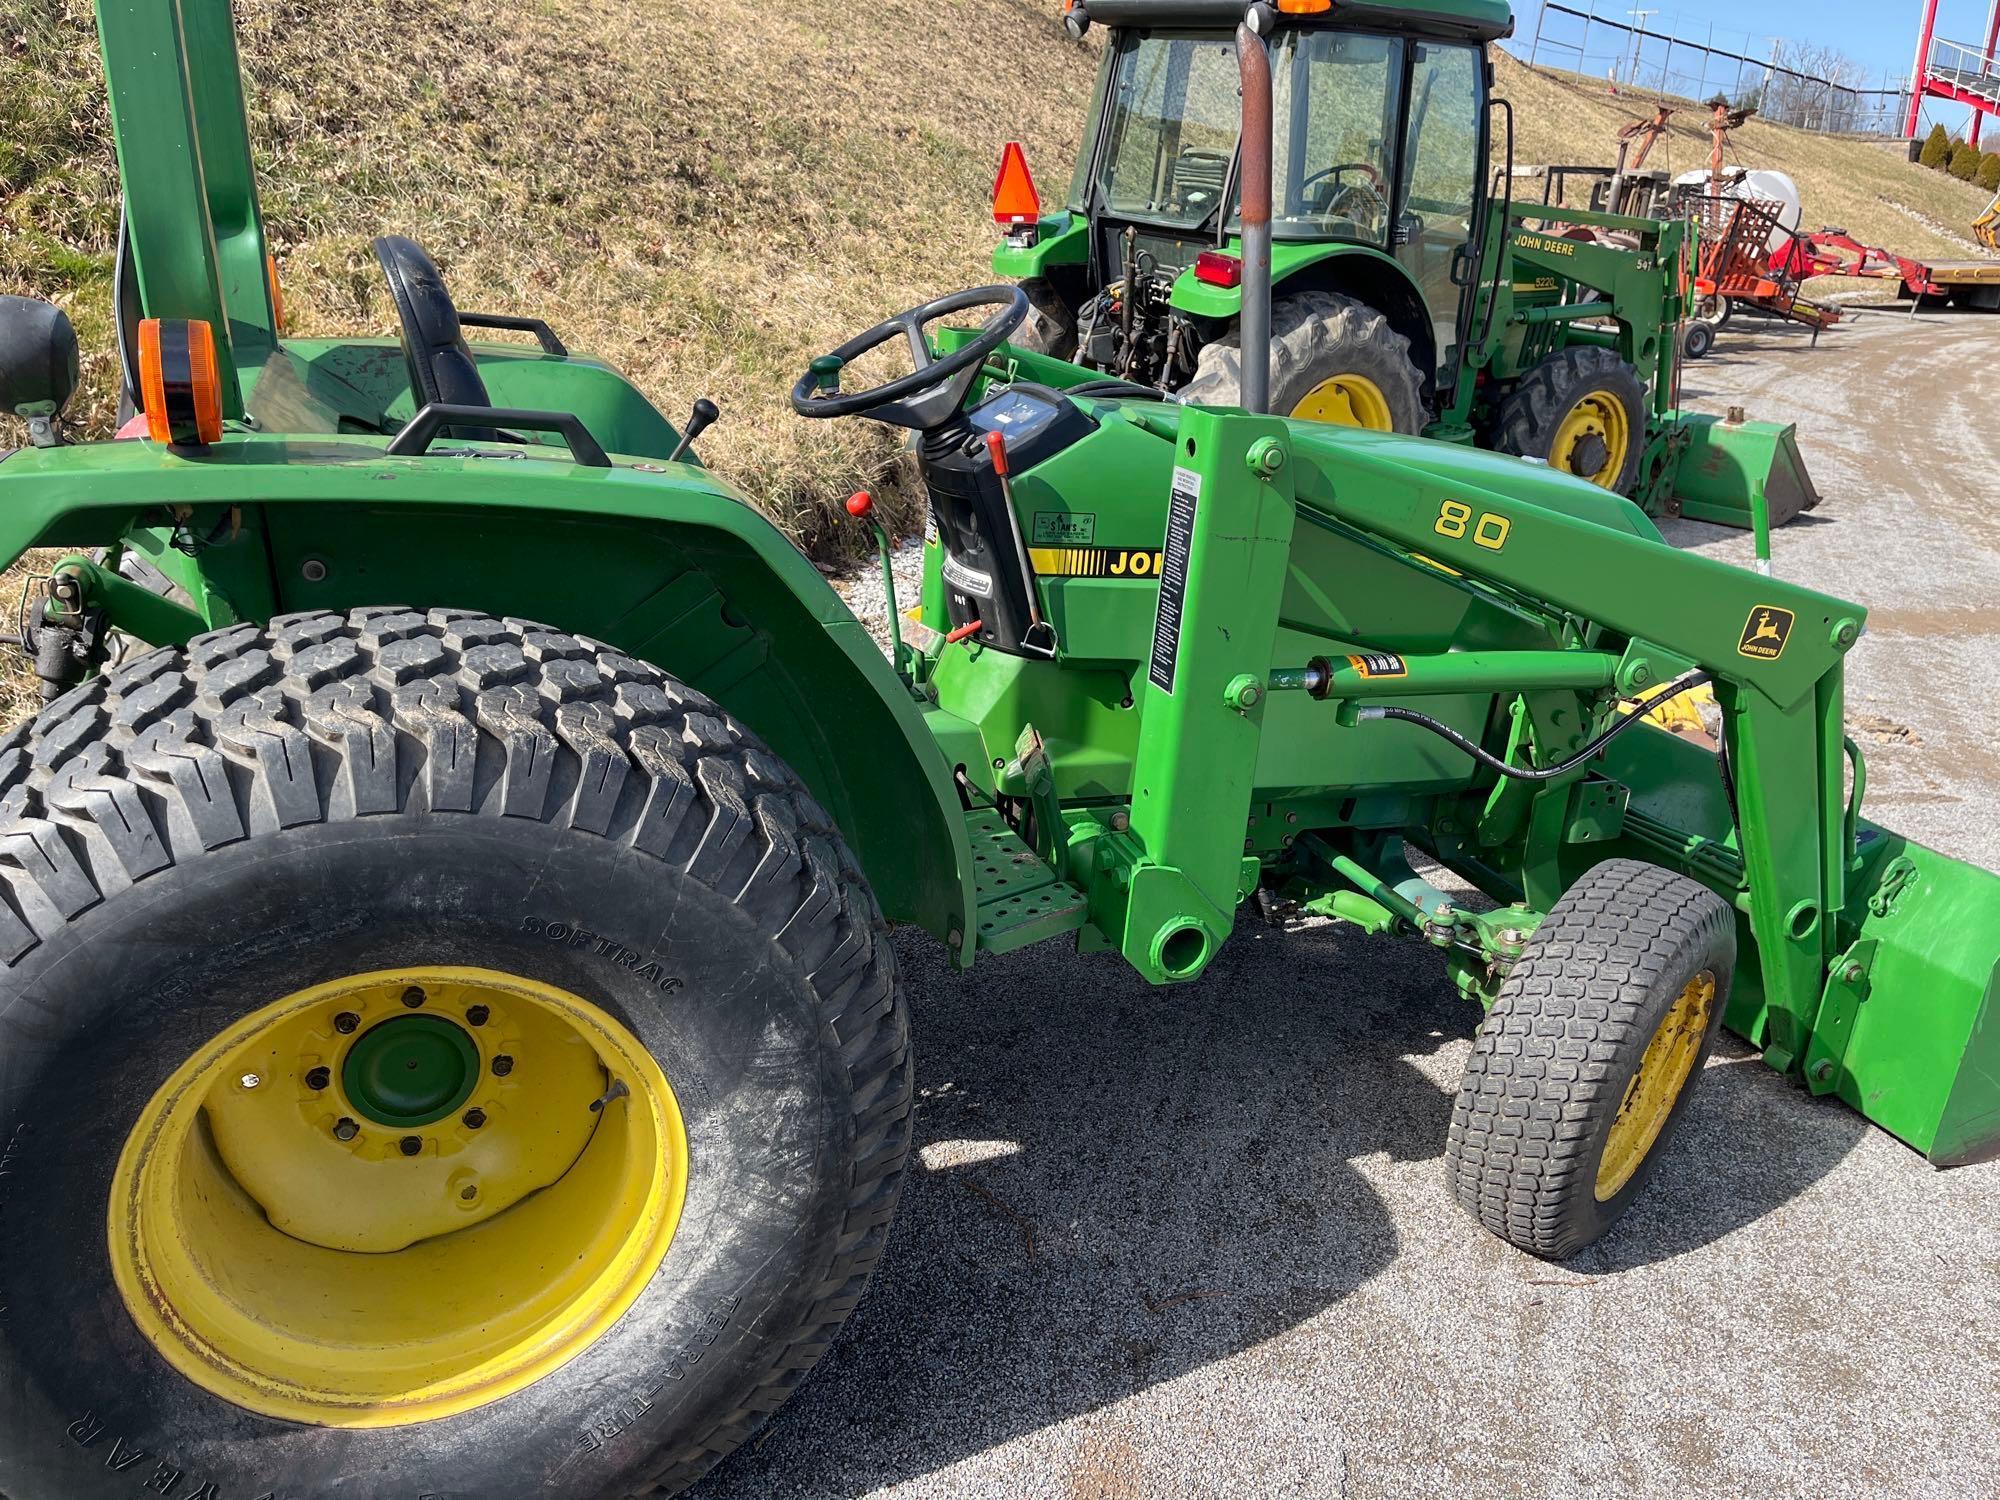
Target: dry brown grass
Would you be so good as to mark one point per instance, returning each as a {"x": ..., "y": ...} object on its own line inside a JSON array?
[{"x": 706, "y": 194}]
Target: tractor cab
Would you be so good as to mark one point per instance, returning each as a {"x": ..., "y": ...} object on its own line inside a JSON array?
[{"x": 1378, "y": 144}]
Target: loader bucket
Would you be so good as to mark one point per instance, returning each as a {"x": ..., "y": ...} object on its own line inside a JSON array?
[
  {"x": 1726, "y": 470},
  {"x": 1914, "y": 1041}
]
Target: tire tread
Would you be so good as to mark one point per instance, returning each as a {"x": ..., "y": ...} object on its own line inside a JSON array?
[
  {"x": 326, "y": 717},
  {"x": 1551, "y": 1055}
]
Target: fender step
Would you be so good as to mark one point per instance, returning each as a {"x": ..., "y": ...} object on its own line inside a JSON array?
[{"x": 1020, "y": 900}]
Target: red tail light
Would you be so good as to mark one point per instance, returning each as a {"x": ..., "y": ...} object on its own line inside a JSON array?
[
  {"x": 1015, "y": 200},
  {"x": 1217, "y": 269}
]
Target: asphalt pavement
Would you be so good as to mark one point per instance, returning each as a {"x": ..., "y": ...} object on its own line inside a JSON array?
[{"x": 1197, "y": 1242}]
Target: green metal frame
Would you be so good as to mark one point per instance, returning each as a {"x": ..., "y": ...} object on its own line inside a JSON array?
[{"x": 1314, "y": 575}]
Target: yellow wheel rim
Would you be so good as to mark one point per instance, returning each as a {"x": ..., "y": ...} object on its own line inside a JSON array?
[
  {"x": 397, "y": 1196},
  {"x": 1347, "y": 401},
  {"x": 1593, "y": 439},
  {"x": 1649, "y": 1097}
]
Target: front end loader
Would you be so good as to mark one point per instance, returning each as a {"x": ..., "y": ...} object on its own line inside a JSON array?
[
  {"x": 1413, "y": 293},
  {"x": 449, "y": 1037}
]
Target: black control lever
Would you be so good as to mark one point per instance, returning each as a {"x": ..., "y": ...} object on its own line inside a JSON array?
[{"x": 705, "y": 412}]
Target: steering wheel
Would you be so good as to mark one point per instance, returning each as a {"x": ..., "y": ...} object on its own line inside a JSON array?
[
  {"x": 1366, "y": 169},
  {"x": 1372, "y": 188},
  {"x": 936, "y": 387}
]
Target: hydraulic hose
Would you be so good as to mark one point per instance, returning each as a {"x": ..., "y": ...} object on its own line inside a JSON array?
[{"x": 1479, "y": 753}]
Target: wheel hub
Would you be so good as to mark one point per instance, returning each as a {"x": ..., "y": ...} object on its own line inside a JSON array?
[
  {"x": 410, "y": 1071},
  {"x": 1588, "y": 455}
]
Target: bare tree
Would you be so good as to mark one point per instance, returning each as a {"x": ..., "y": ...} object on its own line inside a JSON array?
[{"x": 1815, "y": 86}]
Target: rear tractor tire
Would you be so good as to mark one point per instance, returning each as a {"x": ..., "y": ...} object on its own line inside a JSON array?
[
  {"x": 1050, "y": 327},
  {"x": 1582, "y": 411},
  {"x": 1333, "y": 359},
  {"x": 1587, "y": 1060},
  {"x": 440, "y": 1055}
]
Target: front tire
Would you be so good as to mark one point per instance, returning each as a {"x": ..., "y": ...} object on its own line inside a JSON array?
[
  {"x": 245, "y": 860},
  {"x": 1586, "y": 1062},
  {"x": 1333, "y": 359},
  {"x": 1582, "y": 411}
]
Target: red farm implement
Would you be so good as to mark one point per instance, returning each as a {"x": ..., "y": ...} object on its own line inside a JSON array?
[
  {"x": 1835, "y": 252},
  {"x": 1736, "y": 264}
]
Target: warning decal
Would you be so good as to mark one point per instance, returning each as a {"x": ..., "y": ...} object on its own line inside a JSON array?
[
  {"x": 1173, "y": 579},
  {"x": 1379, "y": 665},
  {"x": 1765, "y": 633}
]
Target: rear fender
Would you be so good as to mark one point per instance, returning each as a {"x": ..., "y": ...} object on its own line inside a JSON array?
[{"x": 672, "y": 566}]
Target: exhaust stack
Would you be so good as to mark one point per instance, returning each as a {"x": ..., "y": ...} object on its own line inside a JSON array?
[{"x": 1254, "y": 65}]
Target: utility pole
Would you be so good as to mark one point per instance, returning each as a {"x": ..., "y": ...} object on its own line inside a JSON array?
[{"x": 1638, "y": 40}]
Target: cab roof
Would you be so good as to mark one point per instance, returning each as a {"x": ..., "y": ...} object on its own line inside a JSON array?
[{"x": 1472, "y": 20}]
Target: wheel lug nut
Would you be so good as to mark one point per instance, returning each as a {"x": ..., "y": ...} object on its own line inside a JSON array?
[
  {"x": 474, "y": 1118},
  {"x": 411, "y": 1145},
  {"x": 318, "y": 1078},
  {"x": 502, "y": 1065},
  {"x": 413, "y": 997},
  {"x": 345, "y": 1129},
  {"x": 345, "y": 1022},
  {"x": 476, "y": 1015}
]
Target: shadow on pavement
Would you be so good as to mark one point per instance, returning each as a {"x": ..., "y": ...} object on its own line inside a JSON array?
[
  {"x": 1117, "y": 1185},
  {"x": 1750, "y": 1142}
]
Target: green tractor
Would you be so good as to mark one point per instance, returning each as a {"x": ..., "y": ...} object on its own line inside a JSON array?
[
  {"x": 1413, "y": 294},
  {"x": 449, "y": 1036}
]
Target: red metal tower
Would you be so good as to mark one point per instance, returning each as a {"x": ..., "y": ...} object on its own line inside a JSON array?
[{"x": 1955, "y": 71}]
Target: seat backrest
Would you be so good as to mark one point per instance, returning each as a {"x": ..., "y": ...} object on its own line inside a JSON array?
[{"x": 441, "y": 367}]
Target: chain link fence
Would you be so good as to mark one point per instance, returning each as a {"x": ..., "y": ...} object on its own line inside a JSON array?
[{"x": 1806, "y": 84}]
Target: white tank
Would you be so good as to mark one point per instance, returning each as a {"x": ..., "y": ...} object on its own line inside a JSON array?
[{"x": 1773, "y": 187}]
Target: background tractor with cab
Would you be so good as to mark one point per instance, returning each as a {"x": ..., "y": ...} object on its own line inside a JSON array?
[
  {"x": 449, "y": 1036},
  {"x": 1413, "y": 293}
]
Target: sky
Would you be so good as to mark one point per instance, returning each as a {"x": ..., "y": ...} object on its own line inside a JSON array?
[{"x": 1881, "y": 38}]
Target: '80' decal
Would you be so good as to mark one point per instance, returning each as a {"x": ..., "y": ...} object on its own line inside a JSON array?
[{"x": 1456, "y": 520}]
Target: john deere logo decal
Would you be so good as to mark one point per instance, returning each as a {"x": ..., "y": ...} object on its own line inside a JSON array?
[
  {"x": 1095, "y": 562},
  {"x": 1766, "y": 632}
]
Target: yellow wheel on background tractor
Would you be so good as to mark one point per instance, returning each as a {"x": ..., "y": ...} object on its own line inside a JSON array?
[
  {"x": 1582, "y": 411},
  {"x": 1589, "y": 1056},
  {"x": 1334, "y": 359},
  {"x": 1593, "y": 439},
  {"x": 445, "y": 1055},
  {"x": 1347, "y": 400}
]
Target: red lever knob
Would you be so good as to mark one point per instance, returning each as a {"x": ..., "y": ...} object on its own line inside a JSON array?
[
  {"x": 996, "y": 444},
  {"x": 860, "y": 503}
]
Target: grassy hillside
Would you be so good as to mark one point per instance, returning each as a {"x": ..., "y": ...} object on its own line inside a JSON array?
[{"x": 707, "y": 194}]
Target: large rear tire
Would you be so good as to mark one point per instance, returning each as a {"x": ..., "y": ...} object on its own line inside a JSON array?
[
  {"x": 1587, "y": 1060},
  {"x": 533, "y": 996},
  {"x": 1050, "y": 327},
  {"x": 1333, "y": 359}
]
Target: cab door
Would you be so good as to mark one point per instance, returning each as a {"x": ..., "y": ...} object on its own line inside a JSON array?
[{"x": 1444, "y": 150}]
